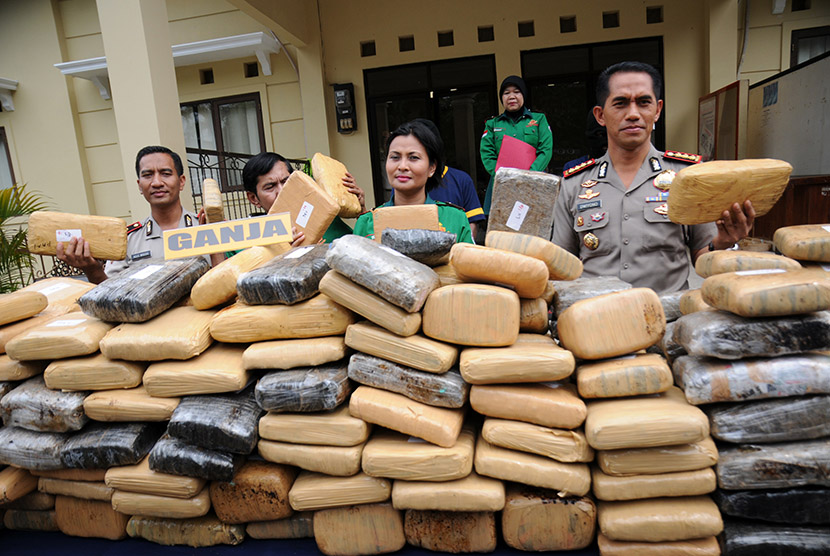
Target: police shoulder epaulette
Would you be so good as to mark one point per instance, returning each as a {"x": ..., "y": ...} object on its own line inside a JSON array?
[
  {"x": 446, "y": 204},
  {"x": 683, "y": 157},
  {"x": 579, "y": 167},
  {"x": 135, "y": 226}
]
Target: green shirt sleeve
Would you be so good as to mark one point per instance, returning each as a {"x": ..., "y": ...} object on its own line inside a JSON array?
[
  {"x": 489, "y": 152},
  {"x": 544, "y": 148},
  {"x": 365, "y": 225},
  {"x": 337, "y": 229},
  {"x": 455, "y": 221}
]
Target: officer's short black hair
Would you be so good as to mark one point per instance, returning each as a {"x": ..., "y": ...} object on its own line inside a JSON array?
[
  {"x": 432, "y": 143},
  {"x": 259, "y": 165},
  {"x": 152, "y": 149},
  {"x": 603, "y": 90}
]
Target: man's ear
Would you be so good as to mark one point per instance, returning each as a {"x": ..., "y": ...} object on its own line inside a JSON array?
[
  {"x": 253, "y": 199},
  {"x": 659, "y": 110},
  {"x": 182, "y": 181},
  {"x": 599, "y": 116}
]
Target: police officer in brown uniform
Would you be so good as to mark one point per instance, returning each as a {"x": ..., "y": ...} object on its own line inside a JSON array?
[{"x": 611, "y": 211}]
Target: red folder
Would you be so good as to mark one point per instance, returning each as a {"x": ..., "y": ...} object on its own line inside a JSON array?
[{"x": 515, "y": 153}]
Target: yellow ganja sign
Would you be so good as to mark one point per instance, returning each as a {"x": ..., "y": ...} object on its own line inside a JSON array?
[{"x": 227, "y": 236}]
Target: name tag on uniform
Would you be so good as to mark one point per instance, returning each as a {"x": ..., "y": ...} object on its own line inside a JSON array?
[
  {"x": 142, "y": 255},
  {"x": 582, "y": 207}
]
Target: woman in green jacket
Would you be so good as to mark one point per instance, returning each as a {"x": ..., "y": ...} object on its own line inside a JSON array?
[{"x": 517, "y": 121}]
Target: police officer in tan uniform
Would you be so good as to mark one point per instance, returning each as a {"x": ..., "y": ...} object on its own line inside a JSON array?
[{"x": 611, "y": 211}]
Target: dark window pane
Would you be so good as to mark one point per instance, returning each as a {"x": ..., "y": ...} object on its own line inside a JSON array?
[
  {"x": 567, "y": 24},
  {"x": 801, "y": 5},
  {"x": 526, "y": 29},
  {"x": 461, "y": 73},
  {"x": 610, "y": 20},
  {"x": 654, "y": 14},
  {"x": 559, "y": 61},
  {"x": 367, "y": 49},
  {"x": 206, "y": 76},
  {"x": 398, "y": 79},
  {"x": 251, "y": 69},
  {"x": 485, "y": 34},
  {"x": 445, "y": 38},
  {"x": 405, "y": 44}
]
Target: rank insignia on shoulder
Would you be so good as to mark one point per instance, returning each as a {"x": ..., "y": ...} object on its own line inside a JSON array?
[
  {"x": 662, "y": 209},
  {"x": 603, "y": 170},
  {"x": 655, "y": 164},
  {"x": 580, "y": 221},
  {"x": 589, "y": 194},
  {"x": 135, "y": 226},
  {"x": 683, "y": 157},
  {"x": 578, "y": 168},
  {"x": 591, "y": 241},
  {"x": 662, "y": 181},
  {"x": 598, "y": 217},
  {"x": 188, "y": 220},
  {"x": 149, "y": 228},
  {"x": 588, "y": 183}
]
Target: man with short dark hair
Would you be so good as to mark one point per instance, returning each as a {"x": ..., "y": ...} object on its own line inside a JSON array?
[
  {"x": 612, "y": 211},
  {"x": 160, "y": 180}
]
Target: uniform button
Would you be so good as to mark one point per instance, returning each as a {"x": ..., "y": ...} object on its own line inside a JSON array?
[
  {"x": 625, "y": 266},
  {"x": 625, "y": 241},
  {"x": 625, "y": 216}
]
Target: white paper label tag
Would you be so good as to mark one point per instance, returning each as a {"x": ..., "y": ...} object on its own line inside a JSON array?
[
  {"x": 416, "y": 440},
  {"x": 66, "y": 235},
  {"x": 392, "y": 251},
  {"x": 760, "y": 271},
  {"x": 146, "y": 271},
  {"x": 48, "y": 290},
  {"x": 826, "y": 228},
  {"x": 517, "y": 215},
  {"x": 299, "y": 252},
  {"x": 305, "y": 214},
  {"x": 62, "y": 323}
]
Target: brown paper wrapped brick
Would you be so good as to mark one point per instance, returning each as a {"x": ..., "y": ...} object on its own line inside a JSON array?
[
  {"x": 662, "y": 459},
  {"x": 178, "y": 333},
  {"x": 70, "y": 335},
  {"x": 809, "y": 242},
  {"x": 524, "y": 361},
  {"x": 453, "y": 532},
  {"x": 526, "y": 275},
  {"x": 21, "y": 305},
  {"x": 288, "y": 354},
  {"x": 300, "y": 525},
  {"x": 134, "y": 404},
  {"x": 141, "y": 479},
  {"x": 312, "y": 209},
  {"x": 660, "y": 519},
  {"x": 473, "y": 493},
  {"x": 93, "y": 372},
  {"x": 626, "y": 376},
  {"x": 258, "y": 492},
  {"x": 136, "y": 503},
  {"x": 554, "y": 405},
  {"x": 212, "y": 201},
  {"x": 359, "y": 530},
  {"x": 718, "y": 262},
  {"x": 696, "y": 547},
  {"x": 15, "y": 483},
  {"x": 414, "y": 351},
  {"x": 12, "y": 369},
  {"x": 329, "y": 174},
  {"x": 217, "y": 370},
  {"x": 562, "y": 265},
  {"x": 87, "y": 490},
  {"x": 338, "y": 461},
  {"x": 89, "y": 518},
  {"x": 315, "y": 491},
  {"x": 107, "y": 235},
  {"x": 562, "y": 445},
  {"x": 196, "y": 532},
  {"x": 634, "y": 487}
]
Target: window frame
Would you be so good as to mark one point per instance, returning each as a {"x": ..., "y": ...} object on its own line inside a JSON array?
[
  {"x": 5, "y": 138},
  {"x": 805, "y": 33}
]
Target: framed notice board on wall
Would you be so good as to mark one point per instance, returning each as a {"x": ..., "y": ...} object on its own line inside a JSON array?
[{"x": 721, "y": 122}]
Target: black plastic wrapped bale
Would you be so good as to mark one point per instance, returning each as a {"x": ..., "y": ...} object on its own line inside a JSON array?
[
  {"x": 765, "y": 421},
  {"x": 442, "y": 390},
  {"x": 808, "y": 505},
  {"x": 754, "y": 539},
  {"x": 35, "y": 407},
  {"x": 321, "y": 388},
  {"x": 784, "y": 465},
  {"x": 173, "y": 456},
  {"x": 286, "y": 279},
  {"x": 227, "y": 423},
  {"x": 144, "y": 290},
  {"x": 31, "y": 450},
  {"x": 105, "y": 445},
  {"x": 728, "y": 336},
  {"x": 668, "y": 346},
  {"x": 671, "y": 305},
  {"x": 709, "y": 380},
  {"x": 395, "y": 277},
  {"x": 429, "y": 247},
  {"x": 523, "y": 202}
]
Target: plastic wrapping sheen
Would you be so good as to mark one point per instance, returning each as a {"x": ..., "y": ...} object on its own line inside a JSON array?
[
  {"x": 809, "y": 242},
  {"x": 258, "y": 492},
  {"x": 93, "y": 372},
  {"x": 392, "y": 275},
  {"x": 69, "y": 335},
  {"x": 12, "y": 369},
  {"x": 429, "y": 247},
  {"x": 288, "y": 354},
  {"x": 316, "y": 317},
  {"x": 302, "y": 195},
  {"x": 329, "y": 173},
  {"x": 643, "y": 422},
  {"x": 315, "y": 491},
  {"x": 473, "y": 315},
  {"x": 62, "y": 293},
  {"x": 527, "y": 275},
  {"x": 395, "y": 456},
  {"x": 21, "y": 305},
  {"x": 745, "y": 538},
  {"x": 536, "y": 190},
  {"x": 696, "y": 547},
  {"x": 794, "y": 505},
  {"x": 89, "y": 518},
  {"x": 86, "y": 490},
  {"x": 337, "y": 461},
  {"x": 708, "y": 380},
  {"x": 765, "y": 421},
  {"x": 104, "y": 445},
  {"x": 626, "y": 321},
  {"x": 521, "y": 362},
  {"x": 217, "y": 370},
  {"x": 195, "y": 532},
  {"x": 562, "y": 445},
  {"x": 773, "y": 293},
  {"x": 369, "y": 305},
  {"x": 300, "y": 525},
  {"x": 671, "y": 305},
  {"x": 569, "y": 292},
  {"x": 662, "y": 459},
  {"x": 554, "y": 405},
  {"x": 286, "y": 279},
  {"x": 434, "y": 424},
  {"x": 635, "y": 487},
  {"x": 226, "y": 423},
  {"x": 30, "y": 520},
  {"x": 727, "y": 336},
  {"x": 538, "y": 520},
  {"x": 567, "y": 479},
  {"x": 218, "y": 285},
  {"x": 140, "y": 478},
  {"x": 626, "y": 376},
  {"x": 178, "y": 333},
  {"x": 473, "y": 493},
  {"x": 134, "y": 503},
  {"x": 720, "y": 262},
  {"x": 144, "y": 290},
  {"x": 783, "y": 465},
  {"x": 308, "y": 389},
  {"x": 660, "y": 519},
  {"x": 15, "y": 483},
  {"x": 173, "y": 456},
  {"x": 561, "y": 264},
  {"x": 415, "y": 351},
  {"x": 35, "y": 407},
  {"x": 451, "y": 531},
  {"x": 331, "y": 428},
  {"x": 134, "y": 404},
  {"x": 366, "y": 529},
  {"x": 670, "y": 348},
  {"x": 442, "y": 390}
]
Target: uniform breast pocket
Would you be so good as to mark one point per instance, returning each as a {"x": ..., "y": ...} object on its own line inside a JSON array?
[
  {"x": 591, "y": 235},
  {"x": 659, "y": 232},
  {"x": 531, "y": 135}
]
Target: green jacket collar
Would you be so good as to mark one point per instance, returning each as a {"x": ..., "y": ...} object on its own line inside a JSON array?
[
  {"x": 526, "y": 113},
  {"x": 391, "y": 201}
]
